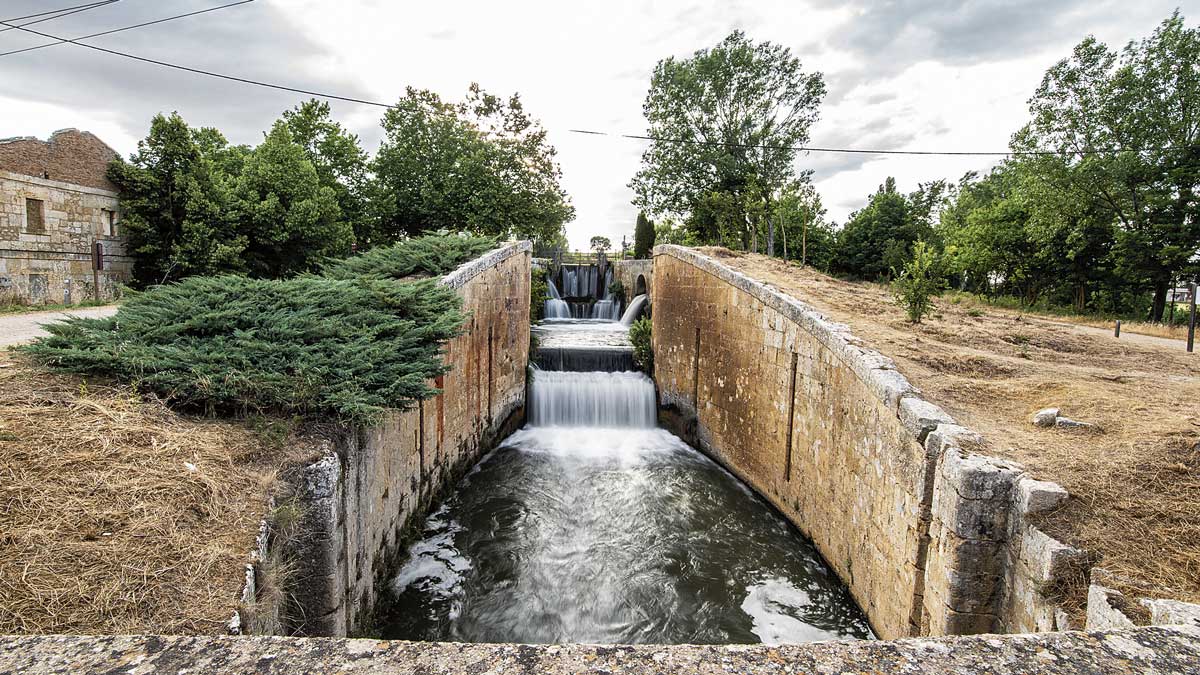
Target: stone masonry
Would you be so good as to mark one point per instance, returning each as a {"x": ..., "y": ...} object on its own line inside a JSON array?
[
  {"x": 361, "y": 500},
  {"x": 931, "y": 537},
  {"x": 55, "y": 202}
]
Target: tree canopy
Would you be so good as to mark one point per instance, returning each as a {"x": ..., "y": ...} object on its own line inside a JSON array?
[
  {"x": 725, "y": 123},
  {"x": 482, "y": 165}
]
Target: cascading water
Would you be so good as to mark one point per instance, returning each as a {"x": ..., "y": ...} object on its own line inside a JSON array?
[
  {"x": 595, "y": 399},
  {"x": 593, "y": 525},
  {"x": 556, "y": 307},
  {"x": 635, "y": 308},
  {"x": 608, "y": 309}
]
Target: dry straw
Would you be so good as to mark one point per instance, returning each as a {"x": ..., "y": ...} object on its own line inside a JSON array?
[{"x": 118, "y": 515}]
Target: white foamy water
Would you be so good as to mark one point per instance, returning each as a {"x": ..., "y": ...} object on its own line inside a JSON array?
[
  {"x": 591, "y": 399},
  {"x": 556, "y": 307},
  {"x": 635, "y": 308}
]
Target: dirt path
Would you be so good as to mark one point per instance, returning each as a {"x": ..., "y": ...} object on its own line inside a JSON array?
[
  {"x": 20, "y": 328},
  {"x": 1137, "y": 472}
]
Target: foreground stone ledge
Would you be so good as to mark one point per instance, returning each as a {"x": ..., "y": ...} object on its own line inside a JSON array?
[{"x": 1141, "y": 650}]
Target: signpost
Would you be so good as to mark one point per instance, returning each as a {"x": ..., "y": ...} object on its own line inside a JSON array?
[
  {"x": 1192, "y": 317},
  {"x": 97, "y": 265}
]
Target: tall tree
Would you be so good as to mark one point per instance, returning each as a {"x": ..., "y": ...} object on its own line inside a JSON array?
[
  {"x": 483, "y": 165},
  {"x": 879, "y": 237},
  {"x": 725, "y": 124},
  {"x": 643, "y": 237},
  {"x": 1144, "y": 103},
  {"x": 289, "y": 221},
  {"x": 600, "y": 244},
  {"x": 175, "y": 204},
  {"x": 340, "y": 162}
]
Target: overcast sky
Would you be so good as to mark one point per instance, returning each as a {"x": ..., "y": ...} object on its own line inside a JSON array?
[{"x": 922, "y": 74}]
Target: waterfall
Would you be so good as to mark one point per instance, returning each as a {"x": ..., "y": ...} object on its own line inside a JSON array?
[
  {"x": 635, "y": 308},
  {"x": 609, "y": 308},
  {"x": 556, "y": 307},
  {"x": 591, "y": 399}
]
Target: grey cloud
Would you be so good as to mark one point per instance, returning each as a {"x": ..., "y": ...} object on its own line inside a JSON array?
[
  {"x": 888, "y": 37},
  {"x": 876, "y": 133},
  {"x": 447, "y": 34},
  {"x": 253, "y": 41}
]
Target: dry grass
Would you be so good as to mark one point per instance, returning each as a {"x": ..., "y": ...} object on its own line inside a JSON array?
[
  {"x": 118, "y": 515},
  {"x": 1134, "y": 482},
  {"x": 1161, "y": 330}
]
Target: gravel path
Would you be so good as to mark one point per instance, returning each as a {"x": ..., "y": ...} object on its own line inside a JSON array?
[{"x": 16, "y": 329}]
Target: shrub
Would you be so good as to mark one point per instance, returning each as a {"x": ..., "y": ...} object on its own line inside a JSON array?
[
  {"x": 643, "y": 350},
  {"x": 538, "y": 292},
  {"x": 427, "y": 255},
  {"x": 919, "y": 282},
  {"x": 350, "y": 345},
  {"x": 617, "y": 289}
]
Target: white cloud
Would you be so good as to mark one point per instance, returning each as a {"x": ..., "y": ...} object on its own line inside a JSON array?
[{"x": 915, "y": 74}]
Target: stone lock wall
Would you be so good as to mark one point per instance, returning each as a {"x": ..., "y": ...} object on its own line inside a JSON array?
[
  {"x": 930, "y": 536},
  {"x": 362, "y": 500},
  {"x": 628, "y": 271}
]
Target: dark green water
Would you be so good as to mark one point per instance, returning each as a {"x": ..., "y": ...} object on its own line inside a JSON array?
[{"x": 613, "y": 535}]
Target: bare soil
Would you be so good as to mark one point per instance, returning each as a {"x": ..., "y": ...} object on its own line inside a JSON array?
[
  {"x": 118, "y": 515},
  {"x": 1134, "y": 480}
]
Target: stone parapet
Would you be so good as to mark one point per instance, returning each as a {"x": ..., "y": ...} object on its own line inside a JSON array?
[{"x": 1138, "y": 651}]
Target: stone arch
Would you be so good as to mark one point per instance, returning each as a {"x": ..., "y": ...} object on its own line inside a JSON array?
[{"x": 639, "y": 287}]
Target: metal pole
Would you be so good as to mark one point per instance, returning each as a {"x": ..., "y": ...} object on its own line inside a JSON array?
[
  {"x": 1192, "y": 317},
  {"x": 1117, "y": 332}
]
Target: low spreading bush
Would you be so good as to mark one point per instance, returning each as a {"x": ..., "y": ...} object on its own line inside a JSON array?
[
  {"x": 349, "y": 345},
  {"x": 427, "y": 255}
]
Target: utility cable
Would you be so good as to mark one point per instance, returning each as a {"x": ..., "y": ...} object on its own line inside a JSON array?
[
  {"x": 125, "y": 28},
  {"x": 866, "y": 151},
  {"x": 350, "y": 99},
  {"x": 58, "y": 14}
]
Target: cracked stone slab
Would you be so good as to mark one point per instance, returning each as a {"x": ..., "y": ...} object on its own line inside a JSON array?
[{"x": 1153, "y": 650}]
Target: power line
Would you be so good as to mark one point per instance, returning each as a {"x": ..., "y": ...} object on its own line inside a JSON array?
[
  {"x": 198, "y": 71},
  {"x": 125, "y": 28},
  {"x": 350, "y": 99},
  {"x": 865, "y": 151},
  {"x": 58, "y": 14}
]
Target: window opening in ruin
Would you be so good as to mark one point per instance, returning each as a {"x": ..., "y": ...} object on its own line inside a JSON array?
[{"x": 35, "y": 216}]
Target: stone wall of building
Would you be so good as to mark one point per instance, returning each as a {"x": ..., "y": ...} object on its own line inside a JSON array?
[
  {"x": 360, "y": 502},
  {"x": 69, "y": 156},
  {"x": 931, "y": 537},
  {"x": 47, "y": 228}
]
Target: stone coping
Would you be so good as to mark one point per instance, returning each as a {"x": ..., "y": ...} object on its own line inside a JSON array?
[
  {"x": 473, "y": 268},
  {"x": 57, "y": 184},
  {"x": 1163, "y": 650}
]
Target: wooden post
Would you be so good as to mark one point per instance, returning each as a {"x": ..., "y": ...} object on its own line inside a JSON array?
[
  {"x": 1192, "y": 317},
  {"x": 97, "y": 265},
  {"x": 1117, "y": 331}
]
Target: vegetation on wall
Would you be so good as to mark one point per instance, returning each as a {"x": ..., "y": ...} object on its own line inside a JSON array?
[
  {"x": 643, "y": 348},
  {"x": 349, "y": 345},
  {"x": 539, "y": 291}
]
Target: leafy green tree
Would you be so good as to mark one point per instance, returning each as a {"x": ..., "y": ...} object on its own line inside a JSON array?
[
  {"x": 643, "y": 237},
  {"x": 806, "y": 235},
  {"x": 1142, "y": 103},
  {"x": 175, "y": 204},
  {"x": 728, "y": 119},
  {"x": 288, "y": 219},
  {"x": 482, "y": 165},
  {"x": 600, "y": 244},
  {"x": 340, "y": 162},
  {"x": 880, "y": 236}
]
